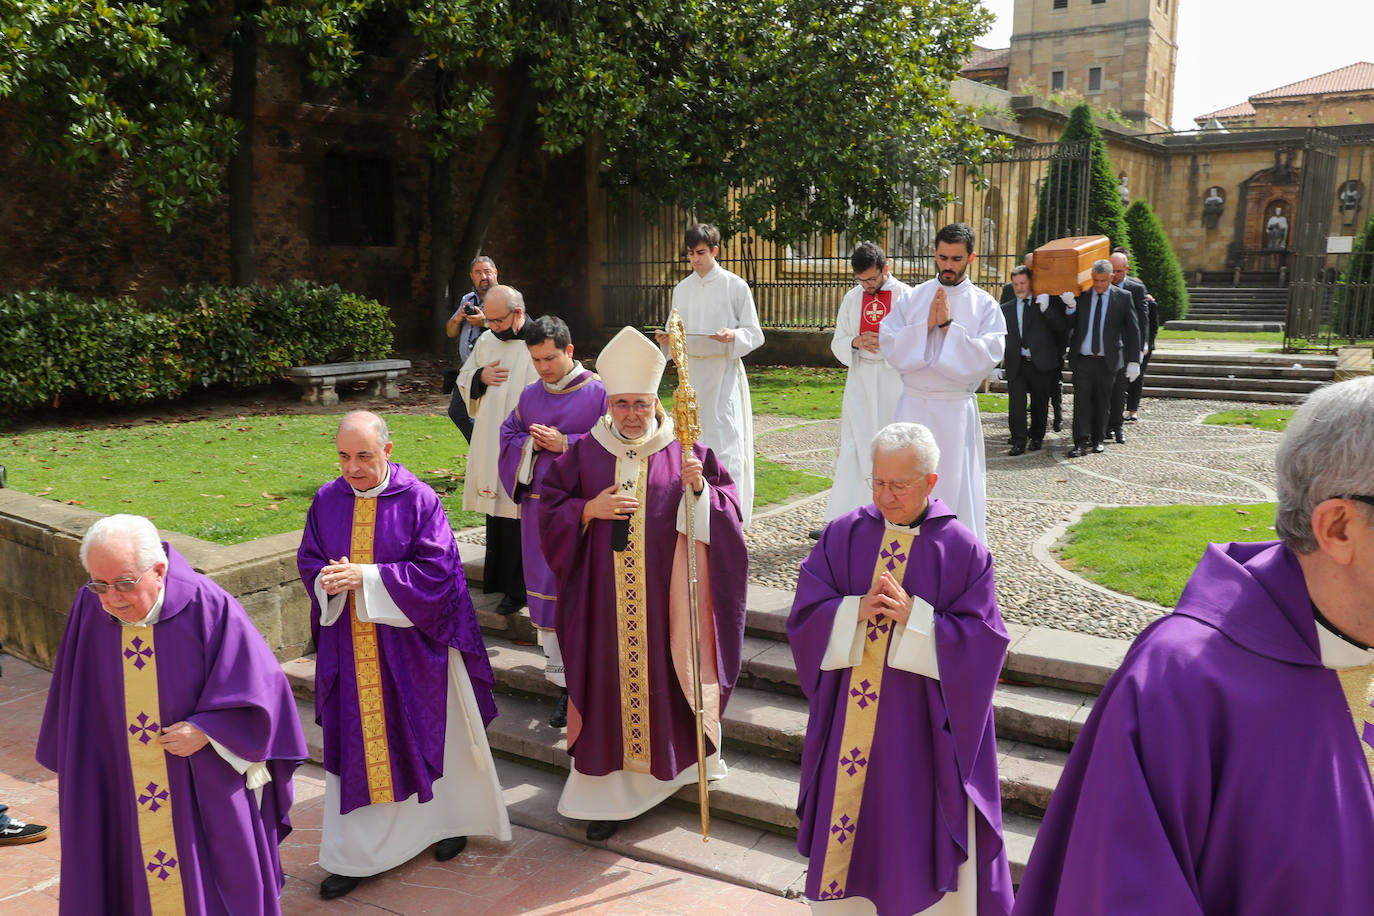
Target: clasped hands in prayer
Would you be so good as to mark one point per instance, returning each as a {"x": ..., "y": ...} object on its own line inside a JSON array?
[
  {"x": 612, "y": 504},
  {"x": 341, "y": 576},
  {"x": 548, "y": 438},
  {"x": 885, "y": 597}
]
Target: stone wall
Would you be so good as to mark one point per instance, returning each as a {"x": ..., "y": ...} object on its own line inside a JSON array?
[{"x": 40, "y": 574}]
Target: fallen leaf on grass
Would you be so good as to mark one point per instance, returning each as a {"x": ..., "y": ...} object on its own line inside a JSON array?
[
  {"x": 103, "y": 477},
  {"x": 213, "y": 495},
  {"x": 280, "y": 499},
  {"x": 272, "y": 507},
  {"x": 243, "y": 505},
  {"x": 126, "y": 500},
  {"x": 1242, "y": 512},
  {"x": 73, "y": 502}
]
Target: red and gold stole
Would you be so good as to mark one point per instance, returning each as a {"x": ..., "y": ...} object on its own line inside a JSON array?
[
  {"x": 367, "y": 665},
  {"x": 148, "y": 761},
  {"x": 864, "y": 689},
  {"x": 874, "y": 309}
]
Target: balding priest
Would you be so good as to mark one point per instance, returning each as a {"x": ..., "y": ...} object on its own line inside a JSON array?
[
  {"x": 403, "y": 688},
  {"x": 898, "y": 643},
  {"x": 612, "y": 526}
]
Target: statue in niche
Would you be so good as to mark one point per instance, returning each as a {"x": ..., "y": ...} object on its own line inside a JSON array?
[
  {"x": 1212, "y": 205},
  {"x": 1124, "y": 189},
  {"x": 1349, "y": 199},
  {"x": 1276, "y": 230}
]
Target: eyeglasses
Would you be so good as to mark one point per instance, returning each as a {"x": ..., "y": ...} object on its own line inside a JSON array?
[
  {"x": 868, "y": 281},
  {"x": 120, "y": 585},
  {"x": 489, "y": 321},
  {"x": 896, "y": 488},
  {"x": 1367, "y": 500},
  {"x": 637, "y": 406}
]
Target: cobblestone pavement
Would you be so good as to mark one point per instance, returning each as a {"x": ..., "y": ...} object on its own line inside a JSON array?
[{"x": 1170, "y": 457}]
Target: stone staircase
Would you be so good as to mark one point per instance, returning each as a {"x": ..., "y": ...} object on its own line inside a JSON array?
[
  {"x": 1049, "y": 683},
  {"x": 1212, "y": 308}
]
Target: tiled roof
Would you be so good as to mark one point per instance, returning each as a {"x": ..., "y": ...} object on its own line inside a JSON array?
[
  {"x": 1357, "y": 77},
  {"x": 989, "y": 59},
  {"x": 1243, "y": 110}
]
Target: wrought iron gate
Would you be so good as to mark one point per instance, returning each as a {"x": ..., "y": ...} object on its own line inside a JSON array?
[{"x": 800, "y": 286}]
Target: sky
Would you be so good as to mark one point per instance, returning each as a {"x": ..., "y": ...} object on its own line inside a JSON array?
[{"x": 1229, "y": 50}]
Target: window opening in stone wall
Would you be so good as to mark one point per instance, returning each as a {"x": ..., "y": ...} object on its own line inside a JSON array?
[
  {"x": 1056, "y": 81},
  {"x": 1061, "y": 4},
  {"x": 1094, "y": 79},
  {"x": 360, "y": 200}
]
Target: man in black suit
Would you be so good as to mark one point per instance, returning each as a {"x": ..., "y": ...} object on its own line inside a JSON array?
[
  {"x": 1057, "y": 391},
  {"x": 1032, "y": 360},
  {"x": 1104, "y": 338},
  {"x": 1148, "y": 311},
  {"x": 1120, "y": 264}
]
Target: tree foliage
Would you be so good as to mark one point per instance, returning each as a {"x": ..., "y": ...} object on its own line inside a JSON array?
[
  {"x": 1061, "y": 198},
  {"x": 1353, "y": 307},
  {"x": 1154, "y": 262}
]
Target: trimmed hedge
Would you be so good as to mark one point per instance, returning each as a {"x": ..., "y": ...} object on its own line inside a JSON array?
[
  {"x": 61, "y": 348},
  {"x": 1154, "y": 262}
]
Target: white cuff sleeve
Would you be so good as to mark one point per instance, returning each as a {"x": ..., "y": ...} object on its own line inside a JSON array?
[
  {"x": 846, "y": 646},
  {"x": 331, "y": 606},
  {"x": 701, "y": 514},
  {"x": 913, "y": 645},
  {"x": 525, "y": 473},
  {"x": 374, "y": 602},
  {"x": 255, "y": 774}
]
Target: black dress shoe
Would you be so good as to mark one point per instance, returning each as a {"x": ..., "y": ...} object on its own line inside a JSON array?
[
  {"x": 559, "y": 719},
  {"x": 1078, "y": 451},
  {"x": 1034, "y": 445},
  {"x": 1058, "y": 424},
  {"x": 1017, "y": 450},
  {"x": 600, "y": 831},
  {"x": 449, "y": 849},
  {"x": 814, "y": 534},
  {"x": 509, "y": 606},
  {"x": 1098, "y": 448},
  {"x": 337, "y": 886},
  {"x": 1011, "y": 442},
  {"x": 1120, "y": 437}
]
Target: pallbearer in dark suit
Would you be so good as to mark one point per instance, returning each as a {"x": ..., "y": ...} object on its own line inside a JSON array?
[
  {"x": 1104, "y": 337},
  {"x": 1032, "y": 359},
  {"x": 1122, "y": 388}
]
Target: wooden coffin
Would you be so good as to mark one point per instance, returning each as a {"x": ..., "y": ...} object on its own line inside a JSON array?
[{"x": 1066, "y": 264}]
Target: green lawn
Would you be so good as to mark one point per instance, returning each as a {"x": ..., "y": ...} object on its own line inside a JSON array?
[
  {"x": 1267, "y": 336},
  {"x": 234, "y": 480},
  {"x": 1150, "y": 551},
  {"x": 1275, "y": 418}
]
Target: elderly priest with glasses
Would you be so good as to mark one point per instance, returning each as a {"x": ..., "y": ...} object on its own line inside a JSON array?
[
  {"x": 174, "y": 736},
  {"x": 1226, "y": 767},
  {"x": 898, "y": 643},
  {"x": 612, "y": 526}
]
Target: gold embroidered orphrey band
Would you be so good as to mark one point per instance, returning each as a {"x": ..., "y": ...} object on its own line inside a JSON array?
[
  {"x": 367, "y": 665},
  {"x": 860, "y": 717},
  {"x": 148, "y": 761},
  {"x": 1358, "y": 684},
  {"x": 632, "y": 627}
]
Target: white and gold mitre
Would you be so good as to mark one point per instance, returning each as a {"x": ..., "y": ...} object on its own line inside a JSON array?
[{"x": 630, "y": 364}]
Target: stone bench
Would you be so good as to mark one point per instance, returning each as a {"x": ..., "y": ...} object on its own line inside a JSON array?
[{"x": 319, "y": 381}]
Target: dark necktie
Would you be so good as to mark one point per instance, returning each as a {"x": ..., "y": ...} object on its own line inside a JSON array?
[{"x": 1099, "y": 319}]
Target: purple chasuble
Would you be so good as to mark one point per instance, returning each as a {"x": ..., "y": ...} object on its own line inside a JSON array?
[
  {"x": 583, "y": 568},
  {"x": 933, "y": 747},
  {"x": 1220, "y": 771},
  {"x": 215, "y": 671},
  {"x": 417, "y": 557},
  {"x": 572, "y": 410}
]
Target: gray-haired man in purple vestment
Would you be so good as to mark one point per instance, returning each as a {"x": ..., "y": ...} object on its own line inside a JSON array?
[
  {"x": 898, "y": 644},
  {"x": 1226, "y": 768},
  {"x": 174, "y": 736}
]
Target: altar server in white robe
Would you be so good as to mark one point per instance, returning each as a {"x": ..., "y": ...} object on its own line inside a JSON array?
[
  {"x": 945, "y": 336},
  {"x": 722, "y": 327},
  {"x": 872, "y": 387},
  {"x": 492, "y": 380}
]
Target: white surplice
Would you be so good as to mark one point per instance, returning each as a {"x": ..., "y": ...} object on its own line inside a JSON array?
[
  {"x": 871, "y": 391},
  {"x": 482, "y": 489},
  {"x": 941, "y": 371},
  {"x": 722, "y": 300},
  {"x": 467, "y": 798}
]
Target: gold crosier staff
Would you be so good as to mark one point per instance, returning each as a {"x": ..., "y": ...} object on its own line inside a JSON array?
[{"x": 687, "y": 426}]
